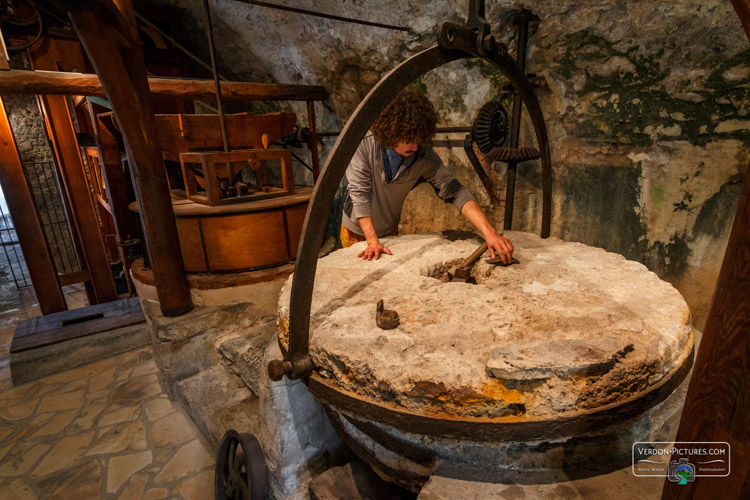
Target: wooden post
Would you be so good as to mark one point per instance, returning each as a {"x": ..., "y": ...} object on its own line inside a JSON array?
[
  {"x": 312, "y": 141},
  {"x": 75, "y": 183},
  {"x": 123, "y": 76},
  {"x": 31, "y": 236},
  {"x": 51, "y": 55},
  {"x": 115, "y": 184},
  {"x": 717, "y": 407}
]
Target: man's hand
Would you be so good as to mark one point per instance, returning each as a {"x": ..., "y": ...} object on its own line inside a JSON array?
[
  {"x": 500, "y": 246},
  {"x": 373, "y": 249}
]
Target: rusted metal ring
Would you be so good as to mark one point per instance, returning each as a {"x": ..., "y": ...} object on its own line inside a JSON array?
[
  {"x": 499, "y": 429},
  {"x": 455, "y": 42}
]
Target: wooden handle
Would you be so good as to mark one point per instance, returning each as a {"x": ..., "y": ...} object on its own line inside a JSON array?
[{"x": 475, "y": 256}]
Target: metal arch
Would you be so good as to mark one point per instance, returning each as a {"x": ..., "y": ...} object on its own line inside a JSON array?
[{"x": 454, "y": 42}]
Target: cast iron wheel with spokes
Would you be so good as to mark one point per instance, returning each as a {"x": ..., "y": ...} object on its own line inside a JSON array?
[{"x": 240, "y": 468}]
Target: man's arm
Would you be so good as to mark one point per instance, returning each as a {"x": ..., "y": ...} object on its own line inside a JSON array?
[
  {"x": 374, "y": 247},
  {"x": 496, "y": 243}
]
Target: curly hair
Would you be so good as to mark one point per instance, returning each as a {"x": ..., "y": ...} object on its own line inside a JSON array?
[{"x": 409, "y": 117}]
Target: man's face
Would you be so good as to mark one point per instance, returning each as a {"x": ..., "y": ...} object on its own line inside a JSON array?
[{"x": 406, "y": 149}]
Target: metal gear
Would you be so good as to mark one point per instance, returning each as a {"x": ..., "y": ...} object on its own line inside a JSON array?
[
  {"x": 490, "y": 128},
  {"x": 240, "y": 468}
]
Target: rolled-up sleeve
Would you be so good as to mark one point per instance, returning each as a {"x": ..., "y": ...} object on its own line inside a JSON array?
[
  {"x": 445, "y": 185},
  {"x": 359, "y": 177}
]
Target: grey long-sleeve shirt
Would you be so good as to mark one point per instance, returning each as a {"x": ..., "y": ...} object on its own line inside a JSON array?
[{"x": 369, "y": 195}]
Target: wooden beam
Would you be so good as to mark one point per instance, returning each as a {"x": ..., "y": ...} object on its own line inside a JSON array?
[
  {"x": 123, "y": 75},
  {"x": 31, "y": 236},
  {"x": 65, "y": 145},
  {"x": 62, "y": 83},
  {"x": 717, "y": 407}
]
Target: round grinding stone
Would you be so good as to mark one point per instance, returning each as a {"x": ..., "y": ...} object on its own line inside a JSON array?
[{"x": 569, "y": 328}]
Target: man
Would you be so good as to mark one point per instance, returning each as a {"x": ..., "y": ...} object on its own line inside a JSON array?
[{"x": 392, "y": 160}]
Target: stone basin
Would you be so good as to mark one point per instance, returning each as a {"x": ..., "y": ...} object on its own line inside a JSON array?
[{"x": 569, "y": 331}]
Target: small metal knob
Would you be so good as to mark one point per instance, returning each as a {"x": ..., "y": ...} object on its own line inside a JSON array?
[{"x": 278, "y": 368}]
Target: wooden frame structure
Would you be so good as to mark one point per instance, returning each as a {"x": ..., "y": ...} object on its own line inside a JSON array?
[{"x": 109, "y": 37}]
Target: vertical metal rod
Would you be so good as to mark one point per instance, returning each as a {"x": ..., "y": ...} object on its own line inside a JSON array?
[
  {"x": 217, "y": 84},
  {"x": 5, "y": 250},
  {"x": 59, "y": 219},
  {"x": 515, "y": 122},
  {"x": 42, "y": 206},
  {"x": 312, "y": 143}
]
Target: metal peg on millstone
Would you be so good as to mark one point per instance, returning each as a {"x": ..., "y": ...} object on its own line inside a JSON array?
[{"x": 386, "y": 318}]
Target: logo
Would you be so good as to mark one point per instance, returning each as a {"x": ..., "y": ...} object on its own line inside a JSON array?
[
  {"x": 681, "y": 462},
  {"x": 681, "y": 471}
]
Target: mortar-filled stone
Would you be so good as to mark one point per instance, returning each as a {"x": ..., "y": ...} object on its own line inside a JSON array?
[{"x": 570, "y": 328}]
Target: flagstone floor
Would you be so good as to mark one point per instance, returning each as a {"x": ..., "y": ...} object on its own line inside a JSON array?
[{"x": 105, "y": 430}]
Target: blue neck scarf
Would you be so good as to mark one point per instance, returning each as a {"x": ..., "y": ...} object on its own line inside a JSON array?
[{"x": 392, "y": 161}]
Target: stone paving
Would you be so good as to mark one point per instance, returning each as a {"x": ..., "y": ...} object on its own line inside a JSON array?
[{"x": 106, "y": 430}]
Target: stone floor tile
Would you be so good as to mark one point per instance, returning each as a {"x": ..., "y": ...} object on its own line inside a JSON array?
[
  {"x": 156, "y": 494},
  {"x": 14, "y": 393},
  {"x": 19, "y": 433},
  {"x": 124, "y": 375},
  {"x": 173, "y": 429},
  {"x": 157, "y": 408},
  {"x": 82, "y": 482},
  {"x": 4, "y": 451},
  {"x": 59, "y": 402},
  {"x": 123, "y": 437},
  {"x": 41, "y": 419},
  {"x": 102, "y": 380},
  {"x": 98, "y": 396},
  {"x": 121, "y": 468},
  {"x": 134, "y": 488},
  {"x": 22, "y": 459},
  {"x": 116, "y": 414},
  {"x": 198, "y": 487},
  {"x": 56, "y": 424},
  {"x": 88, "y": 416},
  {"x": 146, "y": 368},
  {"x": 134, "y": 358},
  {"x": 18, "y": 489},
  {"x": 68, "y": 451},
  {"x": 82, "y": 372},
  {"x": 41, "y": 389},
  {"x": 75, "y": 385},
  {"x": 19, "y": 411},
  {"x": 137, "y": 389},
  {"x": 189, "y": 459},
  {"x": 5, "y": 431}
]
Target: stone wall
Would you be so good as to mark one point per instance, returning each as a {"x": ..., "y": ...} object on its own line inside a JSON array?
[
  {"x": 26, "y": 121},
  {"x": 646, "y": 105}
]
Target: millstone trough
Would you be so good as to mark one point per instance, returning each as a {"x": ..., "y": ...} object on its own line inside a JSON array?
[{"x": 558, "y": 362}]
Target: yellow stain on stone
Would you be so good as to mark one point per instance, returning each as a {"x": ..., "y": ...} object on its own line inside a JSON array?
[{"x": 496, "y": 390}]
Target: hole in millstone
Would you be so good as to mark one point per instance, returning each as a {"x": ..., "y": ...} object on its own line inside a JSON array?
[{"x": 443, "y": 271}]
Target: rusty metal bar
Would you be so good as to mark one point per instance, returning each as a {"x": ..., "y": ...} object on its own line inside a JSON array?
[
  {"x": 438, "y": 130},
  {"x": 323, "y": 15},
  {"x": 217, "y": 84},
  {"x": 515, "y": 122},
  {"x": 177, "y": 45}
]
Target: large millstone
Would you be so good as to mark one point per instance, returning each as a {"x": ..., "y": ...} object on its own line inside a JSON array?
[{"x": 569, "y": 330}]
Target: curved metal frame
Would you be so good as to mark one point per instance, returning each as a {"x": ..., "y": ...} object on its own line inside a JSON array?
[{"x": 454, "y": 42}]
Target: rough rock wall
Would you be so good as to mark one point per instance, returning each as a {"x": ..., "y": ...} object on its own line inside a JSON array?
[
  {"x": 27, "y": 124},
  {"x": 646, "y": 105}
]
